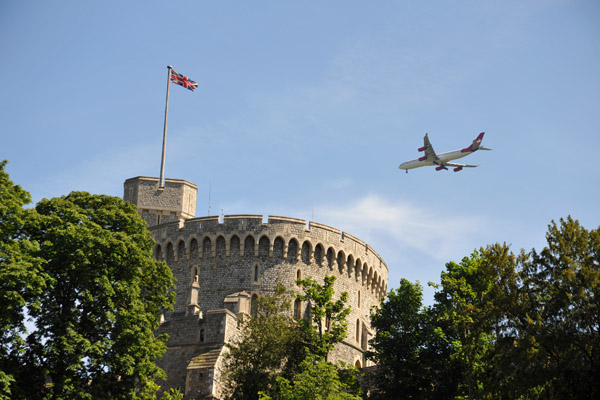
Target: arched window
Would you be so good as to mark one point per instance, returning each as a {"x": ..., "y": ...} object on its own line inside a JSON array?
[
  {"x": 350, "y": 266},
  {"x": 341, "y": 261},
  {"x": 297, "y": 310},
  {"x": 249, "y": 246},
  {"x": 206, "y": 248},
  {"x": 357, "y": 364},
  {"x": 170, "y": 254},
  {"x": 234, "y": 246},
  {"x": 220, "y": 247},
  {"x": 253, "y": 304},
  {"x": 194, "y": 249},
  {"x": 306, "y": 252},
  {"x": 330, "y": 258},
  {"x": 278, "y": 249},
  {"x": 358, "y": 269},
  {"x": 319, "y": 255},
  {"x": 181, "y": 251},
  {"x": 292, "y": 254},
  {"x": 263, "y": 247}
]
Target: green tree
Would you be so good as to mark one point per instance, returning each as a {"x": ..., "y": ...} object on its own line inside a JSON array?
[
  {"x": 269, "y": 346},
  {"x": 322, "y": 329},
  {"x": 560, "y": 316},
  {"x": 172, "y": 394},
  {"x": 94, "y": 336},
  {"x": 327, "y": 324},
  {"x": 317, "y": 380},
  {"x": 461, "y": 305},
  {"x": 21, "y": 280},
  {"x": 275, "y": 354},
  {"x": 412, "y": 354},
  {"x": 523, "y": 326}
]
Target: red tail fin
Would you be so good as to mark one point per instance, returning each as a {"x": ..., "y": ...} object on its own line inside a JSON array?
[{"x": 475, "y": 145}]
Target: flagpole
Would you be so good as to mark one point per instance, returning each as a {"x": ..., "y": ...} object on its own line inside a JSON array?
[{"x": 161, "y": 182}]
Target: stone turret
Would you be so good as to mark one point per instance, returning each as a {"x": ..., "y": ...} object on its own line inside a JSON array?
[{"x": 176, "y": 201}]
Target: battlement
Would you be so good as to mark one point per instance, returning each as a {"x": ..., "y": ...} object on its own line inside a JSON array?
[{"x": 244, "y": 225}]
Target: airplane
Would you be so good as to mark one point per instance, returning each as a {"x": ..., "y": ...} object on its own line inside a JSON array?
[{"x": 442, "y": 160}]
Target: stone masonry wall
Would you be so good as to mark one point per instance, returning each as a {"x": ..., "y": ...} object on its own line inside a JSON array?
[{"x": 244, "y": 254}]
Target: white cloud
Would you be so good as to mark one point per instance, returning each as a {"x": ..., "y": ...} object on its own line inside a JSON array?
[{"x": 403, "y": 225}]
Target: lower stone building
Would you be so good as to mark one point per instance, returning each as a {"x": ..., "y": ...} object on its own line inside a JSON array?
[{"x": 223, "y": 265}]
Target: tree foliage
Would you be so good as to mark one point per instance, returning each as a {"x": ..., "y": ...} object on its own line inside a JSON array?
[
  {"x": 327, "y": 324},
  {"x": 270, "y": 345},
  {"x": 412, "y": 353},
  {"x": 81, "y": 266},
  {"x": 560, "y": 317},
  {"x": 523, "y": 326},
  {"x": 317, "y": 379},
  {"x": 277, "y": 357},
  {"x": 21, "y": 280},
  {"x": 102, "y": 301}
]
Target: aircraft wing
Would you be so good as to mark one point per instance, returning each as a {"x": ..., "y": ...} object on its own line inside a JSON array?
[
  {"x": 450, "y": 164},
  {"x": 428, "y": 149}
]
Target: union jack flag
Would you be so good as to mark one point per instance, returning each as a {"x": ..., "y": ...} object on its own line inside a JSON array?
[{"x": 183, "y": 80}]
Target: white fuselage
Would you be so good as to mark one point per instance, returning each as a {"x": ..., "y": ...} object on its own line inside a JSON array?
[{"x": 443, "y": 158}]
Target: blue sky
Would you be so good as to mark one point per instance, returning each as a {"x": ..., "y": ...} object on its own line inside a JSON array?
[{"x": 304, "y": 105}]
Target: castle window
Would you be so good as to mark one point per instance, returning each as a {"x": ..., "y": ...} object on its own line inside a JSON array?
[
  {"x": 253, "y": 304},
  {"x": 206, "y": 247},
  {"x": 249, "y": 246},
  {"x": 234, "y": 246},
  {"x": 358, "y": 331},
  {"x": 319, "y": 255},
  {"x": 221, "y": 247},
  {"x": 256, "y": 271},
  {"x": 292, "y": 254},
  {"x": 330, "y": 258},
  {"x": 341, "y": 262},
  {"x": 201, "y": 335},
  {"x": 278, "y": 248},
  {"x": 298, "y": 275},
  {"x": 194, "y": 249},
  {"x": 170, "y": 254},
  {"x": 263, "y": 247},
  {"x": 305, "y": 252},
  {"x": 181, "y": 251},
  {"x": 358, "y": 298},
  {"x": 297, "y": 310}
]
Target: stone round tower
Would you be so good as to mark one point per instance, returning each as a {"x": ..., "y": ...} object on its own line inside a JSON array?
[{"x": 221, "y": 266}]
